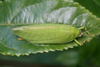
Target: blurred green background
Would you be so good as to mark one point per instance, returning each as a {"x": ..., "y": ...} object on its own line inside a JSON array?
[{"x": 87, "y": 55}]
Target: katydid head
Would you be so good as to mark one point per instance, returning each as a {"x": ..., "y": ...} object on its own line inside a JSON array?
[{"x": 76, "y": 32}]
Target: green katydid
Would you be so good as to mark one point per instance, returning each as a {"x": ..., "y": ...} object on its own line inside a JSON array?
[{"x": 49, "y": 33}]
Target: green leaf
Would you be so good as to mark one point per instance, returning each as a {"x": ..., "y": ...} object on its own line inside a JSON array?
[
  {"x": 15, "y": 13},
  {"x": 92, "y": 5}
]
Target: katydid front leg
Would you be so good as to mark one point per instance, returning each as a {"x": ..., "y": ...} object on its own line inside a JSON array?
[
  {"x": 85, "y": 30},
  {"x": 81, "y": 34}
]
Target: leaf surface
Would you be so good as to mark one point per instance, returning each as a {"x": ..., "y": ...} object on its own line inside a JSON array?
[
  {"x": 17, "y": 13},
  {"x": 92, "y": 5}
]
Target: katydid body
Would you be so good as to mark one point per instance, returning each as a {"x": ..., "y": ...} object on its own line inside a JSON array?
[{"x": 48, "y": 33}]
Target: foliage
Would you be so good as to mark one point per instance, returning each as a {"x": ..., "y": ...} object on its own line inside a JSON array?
[{"x": 16, "y": 13}]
